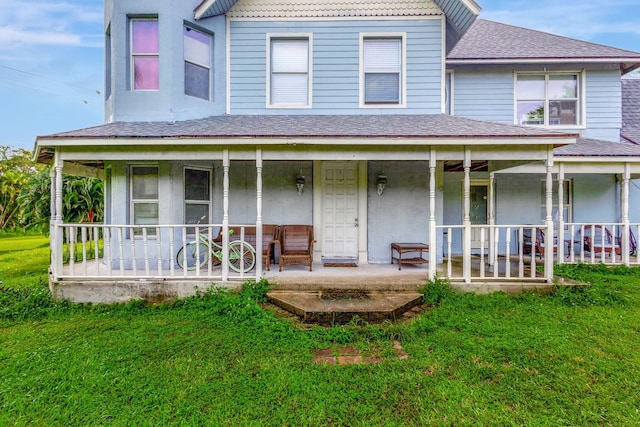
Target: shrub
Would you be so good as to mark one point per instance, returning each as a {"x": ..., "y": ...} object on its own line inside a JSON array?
[{"x": 436, "y": 291}]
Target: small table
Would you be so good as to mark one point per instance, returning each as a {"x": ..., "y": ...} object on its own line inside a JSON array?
[{"x": 405, "y": 248}]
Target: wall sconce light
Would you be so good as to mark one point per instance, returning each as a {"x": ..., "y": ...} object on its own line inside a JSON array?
[
  {"x": 300, "y": 180},
  {"x": 382, "y": 183}
]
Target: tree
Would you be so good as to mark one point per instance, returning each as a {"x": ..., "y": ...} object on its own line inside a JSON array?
[{"x": 16, "y": 167}]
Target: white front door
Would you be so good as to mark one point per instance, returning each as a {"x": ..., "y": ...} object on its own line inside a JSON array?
[{"x": 340, "y": 210}]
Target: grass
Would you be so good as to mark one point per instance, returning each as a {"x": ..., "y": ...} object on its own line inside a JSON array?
[{"x": 569, "y": 356}]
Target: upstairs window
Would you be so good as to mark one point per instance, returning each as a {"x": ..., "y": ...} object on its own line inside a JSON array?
[
  {"x": 197, "y": 63},
  {"x": 289, "y": 72},
  {"x": 548, "y": 99},
  {"x": 145, "y": 54},
  {"x": 382, "y": 79}
]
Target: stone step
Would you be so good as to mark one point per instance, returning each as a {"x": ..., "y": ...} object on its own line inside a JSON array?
[{"x": 339, "y": 306}]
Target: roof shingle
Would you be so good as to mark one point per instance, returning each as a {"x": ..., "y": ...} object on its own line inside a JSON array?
[
  {"x": 313, "y": 126},
  {"x": 489, "y": 40}
]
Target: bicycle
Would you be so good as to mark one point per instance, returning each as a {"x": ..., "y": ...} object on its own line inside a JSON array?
[{"x": 242, "y": 255}]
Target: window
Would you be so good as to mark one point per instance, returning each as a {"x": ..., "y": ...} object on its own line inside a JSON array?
[
  {"x": 197, "y": 196},
  {"x": 290, "y": 75},
  {"x": 382, "y": 71},
  {"x": 197, "y": 63},
  {"x": 144, "y": 196},
  {"x": 566, "y": 201},
  {"x": 145, "y": 59},
  {"x": 548, "y": 99}
]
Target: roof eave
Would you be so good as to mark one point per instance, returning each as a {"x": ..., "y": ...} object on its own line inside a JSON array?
[{"x": 629, "y": 64}]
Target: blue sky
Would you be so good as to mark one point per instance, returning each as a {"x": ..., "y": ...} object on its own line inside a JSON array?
[{"x": 51, "y": 54}]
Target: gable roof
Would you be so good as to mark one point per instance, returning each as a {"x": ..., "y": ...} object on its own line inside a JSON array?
[
  {"x": 631, "y": 110},
  {"x": 494, "y": 42}
]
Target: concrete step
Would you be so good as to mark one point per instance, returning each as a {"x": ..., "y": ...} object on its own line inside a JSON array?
[{"x": 339, "y": 306}]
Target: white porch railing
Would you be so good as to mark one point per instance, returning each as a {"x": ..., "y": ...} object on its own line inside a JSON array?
[
  {"x": 500, "y": 252},
  {"x": 607, "y": 243},
  {"x": 99, "y": 251}
]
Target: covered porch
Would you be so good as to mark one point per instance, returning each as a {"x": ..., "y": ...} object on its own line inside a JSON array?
[{"x": 409, "y": 209}]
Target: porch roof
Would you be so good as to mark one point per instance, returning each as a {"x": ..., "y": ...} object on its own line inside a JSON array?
[
  {"x": 322, "y": 129},
  {"x": 586, "y": 147},
  {"x": 313, "y": 126}
]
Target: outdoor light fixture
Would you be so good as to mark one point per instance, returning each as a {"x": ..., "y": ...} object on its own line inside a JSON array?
[
  {"x": 382, "y": 183},
  {"x": 300, "y": 183}
]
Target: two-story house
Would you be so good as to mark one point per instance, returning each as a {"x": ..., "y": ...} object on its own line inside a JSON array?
[{"x": 374, "y": 122}]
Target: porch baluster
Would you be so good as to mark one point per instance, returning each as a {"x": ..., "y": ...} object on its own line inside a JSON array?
[
  {"x": 184, "y": 253},
  {"x": 172, "y": 248},
  {"x": 449, "y": 237},
  {"x": 145, "y": 250},
  {"x": 159, "y": 250},
  {"x": 521, "y": 252},
  {"x": 507, "y": 263},
  {"x": 121, "y": 248},
  {"x": 482, "y": 251},
  {"x": 72, "y": 249},
  {"x": 83, "y": 237},
  {"x": 96, "y": 249},
  {"x": 534, "y": 251},
  {"x": 134, "y": 257},
  {"x": 108, "y": 247},
  {"x": 496, "y": 241}
]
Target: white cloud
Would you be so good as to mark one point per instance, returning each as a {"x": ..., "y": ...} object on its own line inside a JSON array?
[{"x": 47, "y": 23}]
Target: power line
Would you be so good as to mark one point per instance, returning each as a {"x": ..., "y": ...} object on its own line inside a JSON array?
[
  {"x": 48, "y": 78},
  {"x": 41, "y": 90}
]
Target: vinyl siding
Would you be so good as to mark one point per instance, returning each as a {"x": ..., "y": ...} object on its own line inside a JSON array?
[
  {"x": 336, "y": 66},
  {"x": 484, "y": 95},
  {"x": 604, "y": 105}
]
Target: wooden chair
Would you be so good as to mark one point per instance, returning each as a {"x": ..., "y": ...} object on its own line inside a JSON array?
[
  {"x": 296, "y": 245},
  {"x": 269, "y": 239},
  {"x": 530, "y": 246},
  {"x": 607, "y": 243}
]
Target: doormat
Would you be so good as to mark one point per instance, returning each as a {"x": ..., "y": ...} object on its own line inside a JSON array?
[{"x": 339, "y": 264}]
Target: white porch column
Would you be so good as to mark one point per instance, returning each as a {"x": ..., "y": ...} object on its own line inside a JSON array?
[
  {"x": 624, "y": 197},
  {"x": 432, "y": 215},
  {"x": 58, "y": 235},
  {"x": 492, "y": 218},
  {"x": 561, "y": 214},
  {"x": 225, "y": 215},
  {"x": 548, "y": 240},
  {"x": 258, "y": 213},
  {"x": 466, "y": 239}
]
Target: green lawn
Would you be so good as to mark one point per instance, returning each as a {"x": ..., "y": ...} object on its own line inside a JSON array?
[{"x": 569, "y": 357}]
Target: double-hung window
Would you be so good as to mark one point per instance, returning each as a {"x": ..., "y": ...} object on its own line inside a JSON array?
[
  {"x": 549, "y": 99},
  {"x": 197, "y": 63},
  {"x": 145, "y": 54},
  {"x": 144, "y": 196},
  {"x": 289, "y": 71},
  {"x": 197, "y": 196},
  {"x": 382, "y": 71}
]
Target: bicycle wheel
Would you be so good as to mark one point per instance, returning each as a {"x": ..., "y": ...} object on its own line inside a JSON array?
[
  {"x": 242, "y": 256},
  {"x": 197, "y": 254}
]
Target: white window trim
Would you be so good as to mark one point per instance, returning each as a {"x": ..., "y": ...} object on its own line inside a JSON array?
[
  {"x": 403, "y": 71},
  {"x": 132, "y": 72},
  {"x": 309, "y": 37},
  {"x": 582, "y": 98},
  {"x": 133, "y": 201},
  {"x": 208, "y": 67},
  {"x": 196, "y": 202}
]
